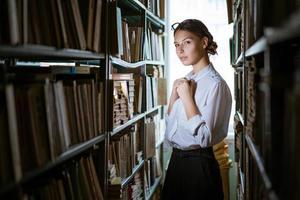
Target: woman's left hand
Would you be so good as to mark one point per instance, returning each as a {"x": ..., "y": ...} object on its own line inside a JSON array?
[{"x": 184, "y": 90}]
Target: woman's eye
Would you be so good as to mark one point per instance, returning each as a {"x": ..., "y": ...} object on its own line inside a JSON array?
[{"x": 176, "y": 45}]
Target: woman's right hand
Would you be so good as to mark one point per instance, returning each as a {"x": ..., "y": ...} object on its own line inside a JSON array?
[
  {"x": 174, "y": 95},
  {"x": 177, "y": 82}
]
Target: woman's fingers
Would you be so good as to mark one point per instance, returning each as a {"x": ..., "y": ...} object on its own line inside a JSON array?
[{"x": 179, "y": 82}]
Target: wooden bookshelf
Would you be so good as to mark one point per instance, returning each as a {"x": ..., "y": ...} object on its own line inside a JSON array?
[
  {"x": 134, "y": 171},
  {"x": 74, "y": 110},
  {"x": 58, "y": 163},
  {"x": 267, "y": 96}
]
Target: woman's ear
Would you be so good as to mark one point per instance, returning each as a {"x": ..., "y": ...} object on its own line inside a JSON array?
[{"x": 205, "y": 42}]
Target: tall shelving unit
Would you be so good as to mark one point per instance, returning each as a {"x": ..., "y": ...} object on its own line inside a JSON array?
[
  {"x": 265, "y": 56},
  {"x": 83, "y": 163}
]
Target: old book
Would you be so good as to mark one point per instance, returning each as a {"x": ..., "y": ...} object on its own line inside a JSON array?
[
  {"x": 62, "y": 26},
  {"x": 97, "y": 26},
  {"x": 71, "y": 111},
  {"x": 116, "y": 30},
  {"x": 96, "y": 180},
  {"x": 51, "y": 113},
  {"x": 13, "y": 132},
  {"x": 79, "y": 122},
  {"x": 6, "y": 167},
  {"x": 162, "y": 91},
  {"x": 13, "y": 22},
  {"x": 63, "y": 120},
  {"x": 78, "y": 24},
  {"x": 122, "y": 76},
  {"x": 150, "y": 138}
]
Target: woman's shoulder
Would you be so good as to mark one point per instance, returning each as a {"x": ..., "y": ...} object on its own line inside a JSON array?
[{"x": 214, "y": 78}]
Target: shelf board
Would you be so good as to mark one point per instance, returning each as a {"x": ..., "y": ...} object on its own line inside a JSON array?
[
  {"x": 258, "y": 47},
  {"x": 155, "y": 19},
  {"x": 153, "y": 110},
  {"x": 259, "y": 162},
  {"x": 45, "y": 52},
  {"x": 130, "y": 122},
  {"x": 134, "y": 171},
  {"x": 239, "y": 59},
  {"x": 131, "y": 8},
  {"x": 60, "y": 160},
  {"x": 122, "y": 63},
  {"x": 153, "y": 188},
  {"x": 138, "y": 4},
  {"x": 133, "y": 120},
  {"x": 241, "y": 117}
]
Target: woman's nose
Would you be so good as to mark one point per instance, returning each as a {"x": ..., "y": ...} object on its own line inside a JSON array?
[{"x": 180, "y": 48}]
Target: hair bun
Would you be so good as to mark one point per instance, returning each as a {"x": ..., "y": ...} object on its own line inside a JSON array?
[{"x": 212, "y": 48}]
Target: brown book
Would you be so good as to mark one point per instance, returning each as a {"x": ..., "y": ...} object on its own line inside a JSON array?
[
  {"x": 70, "y": 27},
  {"x": 116, "y": 30},
  {"x": 78, "y": 24},
  {"x": 13, "y": 131},
  {"x": 96, "y": 180},
  {"x": 53, "y": 129},
  {"x": 13, "y": 22},
  {"x": 62, "y": 25},
  {"x": 6, "y": 167},
  {"x": 150, "y": 140},
  {"x": 38, "y": 123},
  {"x": 34, "y": 23},
  {"x": 97, "y": 26},
  {"x": 162, "y": 91},
  {"x": 61, "y": 190},
  {"x": 122, "y": 76},
  {"x": 77, "y": 108},
  {"x": 71, "y": 111},
  {"x": 63, "y": 122},
  {"x": 90, "y": 24},
  {"x": 54, "y": 13},
  {"x": 87, "y": 11}
]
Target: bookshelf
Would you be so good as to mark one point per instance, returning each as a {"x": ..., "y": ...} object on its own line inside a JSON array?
[
  {"x": 265, "y": 56},
  {"x": 82, "y": 103}
]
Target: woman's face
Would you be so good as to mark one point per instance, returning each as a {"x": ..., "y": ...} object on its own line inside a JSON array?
[{"x": 190, "y": 48}]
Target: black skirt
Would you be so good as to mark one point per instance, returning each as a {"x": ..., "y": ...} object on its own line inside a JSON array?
[{"x": 193, "y": 174}]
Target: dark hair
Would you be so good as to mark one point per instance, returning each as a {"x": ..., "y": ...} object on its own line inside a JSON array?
[{"x": 198, "y": 28}]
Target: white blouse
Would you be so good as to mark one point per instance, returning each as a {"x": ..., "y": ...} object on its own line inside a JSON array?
[{"x": 208, "y": 128}]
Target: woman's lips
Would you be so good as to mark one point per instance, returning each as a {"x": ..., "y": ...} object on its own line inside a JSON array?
[{"x": 183, "y": 58}]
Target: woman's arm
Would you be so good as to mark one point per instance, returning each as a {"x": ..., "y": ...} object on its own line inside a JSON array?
[
  {"x": 211, "y": 124},
  {"x": 186, "y": 93}
]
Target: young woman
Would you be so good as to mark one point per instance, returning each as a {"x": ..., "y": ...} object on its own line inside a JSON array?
[{"x": 197, "y": 118}]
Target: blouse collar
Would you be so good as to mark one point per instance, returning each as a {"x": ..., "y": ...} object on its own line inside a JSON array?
[{"x": 197, "y": 76}]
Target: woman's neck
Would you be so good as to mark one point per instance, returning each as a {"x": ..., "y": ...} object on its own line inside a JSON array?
[{"x": 202, "y": 63}]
